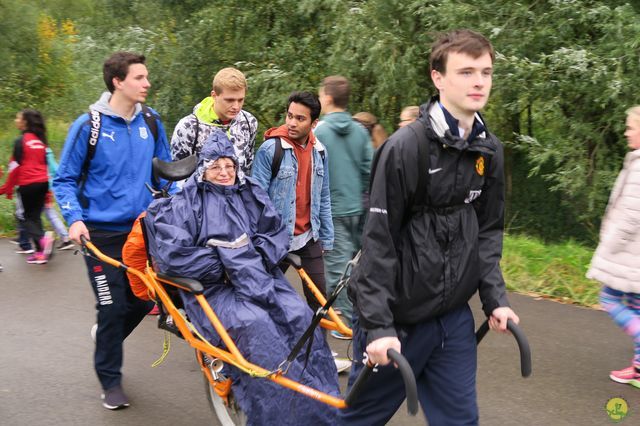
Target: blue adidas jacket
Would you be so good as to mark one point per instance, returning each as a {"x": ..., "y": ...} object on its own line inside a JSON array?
[{"x": 114, "y": 193}]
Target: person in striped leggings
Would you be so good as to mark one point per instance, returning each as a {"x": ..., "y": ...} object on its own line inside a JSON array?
[
  {"x": 615, "y": 263},
  {"x": 624, "y": 308}
]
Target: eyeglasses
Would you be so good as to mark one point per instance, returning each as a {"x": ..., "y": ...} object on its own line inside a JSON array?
[{"x": 228, "y": 168}]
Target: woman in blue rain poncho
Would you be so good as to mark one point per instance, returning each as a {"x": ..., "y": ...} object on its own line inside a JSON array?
[{"x": 225, "y": 233}]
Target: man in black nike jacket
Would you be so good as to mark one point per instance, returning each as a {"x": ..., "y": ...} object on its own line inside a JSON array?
[{"x": 433, "y": 238}]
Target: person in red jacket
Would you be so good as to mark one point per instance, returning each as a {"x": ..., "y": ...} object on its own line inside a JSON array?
[{"x": 29, "y": 152}]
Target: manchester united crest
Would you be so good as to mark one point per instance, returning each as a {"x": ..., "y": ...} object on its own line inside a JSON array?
[{"x": 480, "y": 165}]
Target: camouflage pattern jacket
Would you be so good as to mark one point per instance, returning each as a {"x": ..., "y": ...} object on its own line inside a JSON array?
[{"x": 241, "y": 131}]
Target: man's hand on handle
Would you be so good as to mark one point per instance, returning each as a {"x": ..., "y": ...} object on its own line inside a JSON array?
[
  {"x": 499, "y": 317},
  {"x": 377, "y": 350},
  {"x": 77, "y": 229}
]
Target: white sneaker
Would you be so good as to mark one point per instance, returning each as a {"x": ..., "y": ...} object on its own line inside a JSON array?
[
  {"x": 342, "y": 364},
  {"x": 94, "y": 330}
]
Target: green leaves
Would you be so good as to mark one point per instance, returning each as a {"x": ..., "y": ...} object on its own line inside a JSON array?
[{"x": 565, "y": 72}]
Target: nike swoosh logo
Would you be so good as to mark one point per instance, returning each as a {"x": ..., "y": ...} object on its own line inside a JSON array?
[{"x": 432, "y": 171}]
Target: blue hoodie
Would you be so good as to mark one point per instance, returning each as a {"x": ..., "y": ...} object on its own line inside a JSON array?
[
  {"x": 114, "y": 190},
  {"x": 350, "y": 151}
]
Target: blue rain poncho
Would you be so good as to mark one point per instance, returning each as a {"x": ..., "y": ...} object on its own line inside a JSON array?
[{"x": 231, "y": 239}]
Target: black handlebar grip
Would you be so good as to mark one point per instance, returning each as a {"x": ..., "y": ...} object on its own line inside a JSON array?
[
  {"x": 482, "y": 331},
  {"x": 83, "y": 239},
  {"x": 521, "y": 339},
  {"x": 523, "y": 345},
  {"x": 410, "y": 386}
]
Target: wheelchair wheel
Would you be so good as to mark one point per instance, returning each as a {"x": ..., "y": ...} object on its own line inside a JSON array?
[{"x": 225, "y": 414}]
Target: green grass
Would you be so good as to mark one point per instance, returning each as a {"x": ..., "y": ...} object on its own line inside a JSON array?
[{"x": 553, "y": 270}]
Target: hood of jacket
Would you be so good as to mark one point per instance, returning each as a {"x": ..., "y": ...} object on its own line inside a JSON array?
[
  {"x": 283, "y": 133},
  {"x": 103, "y": 107},
  {"x": 216, "y": 146},
  {"x": 206, "y": 113},
  {"x": 340, "y": 122}
]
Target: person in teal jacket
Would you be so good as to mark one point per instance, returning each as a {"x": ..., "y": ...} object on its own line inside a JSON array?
[
  {"x": 349, "y": 146},
  {"x": 100, "y": 198}
]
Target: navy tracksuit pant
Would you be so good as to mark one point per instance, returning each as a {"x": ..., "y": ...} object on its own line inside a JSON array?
[
  {"x": 119, "y": 310},
  {"x": 442, "y": 354}
]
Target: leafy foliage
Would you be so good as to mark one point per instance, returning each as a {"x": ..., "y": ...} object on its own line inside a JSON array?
[{"x": 565, "y": 73}]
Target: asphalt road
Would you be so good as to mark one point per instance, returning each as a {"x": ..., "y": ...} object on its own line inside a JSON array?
[{"x": 47, "y": 378}]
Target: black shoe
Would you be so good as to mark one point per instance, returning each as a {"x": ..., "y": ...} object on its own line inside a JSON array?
[
  {"x": 65, "y": 245},
  {"x": 114, "y": 398}
]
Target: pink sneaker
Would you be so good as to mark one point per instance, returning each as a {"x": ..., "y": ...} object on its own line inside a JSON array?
[
  {"x": 47, "y": 243},
  {"x": 37, "y": 258},
  {"x": 626, "y": 376}
]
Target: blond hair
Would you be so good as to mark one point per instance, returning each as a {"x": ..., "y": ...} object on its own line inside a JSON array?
[
  {"x": 376, "y": 131},
  {"x": 413, "y": 111},
  {"x": 229, "y": 78},
  {"x": 633, "y": 113}
]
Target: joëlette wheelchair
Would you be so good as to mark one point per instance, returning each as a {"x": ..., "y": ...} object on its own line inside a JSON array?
[{"x": 164, "y": 290}]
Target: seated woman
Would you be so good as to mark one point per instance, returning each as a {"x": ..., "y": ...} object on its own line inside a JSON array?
[{"x": 226, "y": 233}]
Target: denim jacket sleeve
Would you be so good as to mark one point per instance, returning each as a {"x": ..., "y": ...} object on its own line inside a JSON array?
[
  {"x": 326, "y": 221},
  {"x": 261, "y": 172}
]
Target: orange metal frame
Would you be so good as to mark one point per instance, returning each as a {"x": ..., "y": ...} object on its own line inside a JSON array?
[{"x": 231, "y": 356}]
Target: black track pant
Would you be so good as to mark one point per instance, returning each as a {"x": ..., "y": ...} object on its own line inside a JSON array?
[
  {"x": 32, "y": 197},
  {"x": 119, "y": 310}
]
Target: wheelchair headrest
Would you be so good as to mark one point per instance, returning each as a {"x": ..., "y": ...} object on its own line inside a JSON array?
[{"x": 174, "y": 170}]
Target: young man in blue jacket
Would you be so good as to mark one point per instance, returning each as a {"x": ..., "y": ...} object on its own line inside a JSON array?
[{"x": 100, "y": 186}]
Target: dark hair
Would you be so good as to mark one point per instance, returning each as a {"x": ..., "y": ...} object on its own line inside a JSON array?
[
  {"x": 35, "y": 124},
  {"x": 117, "y": 65},
  {"x": 308, "y": 99},
  {"x": 458, "y": 41},
  {"x": 338, "y": 88}
]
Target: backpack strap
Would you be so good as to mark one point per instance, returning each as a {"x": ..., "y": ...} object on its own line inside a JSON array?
[
  {"x": 420, "y": 198},
  {"x": 151, "y": 120},
  {"x": 194, "y": 145},
  {"x": 94, "y": 134},
  {"x": 95, "y": 125},
  {"x": 246, "y": 119},
  {"x": 278, "y": 153}
]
